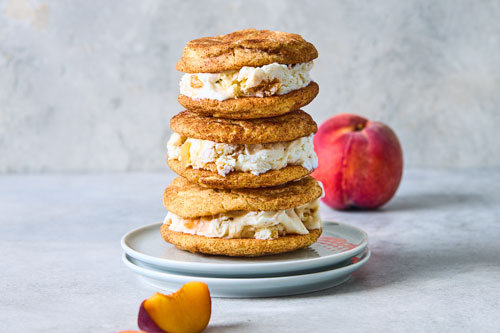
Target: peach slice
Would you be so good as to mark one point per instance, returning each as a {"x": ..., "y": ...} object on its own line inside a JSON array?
[{"x": 187, "y": 310}]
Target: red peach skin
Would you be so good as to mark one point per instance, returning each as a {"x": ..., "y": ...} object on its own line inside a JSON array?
[
  {"x": 360, "y": 162},
  {"x": 145, "y": 322}
]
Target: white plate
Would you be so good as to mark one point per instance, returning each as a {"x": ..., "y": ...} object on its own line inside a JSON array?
[
  {"x": 338, "y": 243},
  {"x": 251, "y": 287}
]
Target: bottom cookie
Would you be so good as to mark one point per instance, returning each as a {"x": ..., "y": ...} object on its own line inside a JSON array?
[
  {"x": 237, "y": 179},
  {"x": 243, "y": 247}
]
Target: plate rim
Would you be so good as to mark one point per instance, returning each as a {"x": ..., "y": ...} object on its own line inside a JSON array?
[
  {"x": 182, "y": 265},
  {"x": 348, "y": 269},
  {"x": 334, "y": 282}
]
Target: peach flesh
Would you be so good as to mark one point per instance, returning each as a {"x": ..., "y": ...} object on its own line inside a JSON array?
[
  {"x": 187, "y": 310},
  {"x": 360, "y": 162}
]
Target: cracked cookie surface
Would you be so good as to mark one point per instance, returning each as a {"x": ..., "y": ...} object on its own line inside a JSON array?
[
  {"x": 190, "y": 200},
  {"x": 287, "y": 127},
  {"x": 249, "y": 47}
]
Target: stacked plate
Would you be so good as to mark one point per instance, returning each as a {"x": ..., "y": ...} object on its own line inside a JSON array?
[{"x": 341, "y": 250}]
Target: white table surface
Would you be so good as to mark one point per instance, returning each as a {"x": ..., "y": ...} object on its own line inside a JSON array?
[{"x": 435, "y": 263}]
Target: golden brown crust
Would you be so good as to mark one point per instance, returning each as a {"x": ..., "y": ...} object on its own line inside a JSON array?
[
  {"x": 248, "y": 47},
  {"x": 190, "y": 200},
  {"x": 243, "y": 247},
  {"x": 287, "y": 127},
  {"x": 209, "y": 177},
  {"x": 251, "y": 107}
]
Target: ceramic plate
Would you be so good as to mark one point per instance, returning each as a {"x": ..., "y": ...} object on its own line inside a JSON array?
[
  {"x": 252, "y": 287},
  {"x": 338, "y": 243}
]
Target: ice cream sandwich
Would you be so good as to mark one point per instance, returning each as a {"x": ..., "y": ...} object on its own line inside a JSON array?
[
  {"x": 242, "y": 222},
  {"x": 229, "y": 153},
  {"x": 247, "y": 74}
]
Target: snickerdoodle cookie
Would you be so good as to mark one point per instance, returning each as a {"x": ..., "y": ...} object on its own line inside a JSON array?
[{"x": 239, "y": 247}]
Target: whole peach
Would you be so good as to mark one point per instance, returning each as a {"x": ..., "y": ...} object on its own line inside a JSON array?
[{"x": 360, "y": 162}]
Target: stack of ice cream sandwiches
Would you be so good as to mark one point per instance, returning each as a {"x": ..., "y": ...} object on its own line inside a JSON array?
[{"x": 243, "y": 149}]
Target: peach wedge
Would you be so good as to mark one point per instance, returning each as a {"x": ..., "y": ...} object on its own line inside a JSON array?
[{"x": 187, "y": 310}]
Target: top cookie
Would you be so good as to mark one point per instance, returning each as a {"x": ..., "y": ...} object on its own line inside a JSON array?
[
  {"x": 287, "y": 127},
  {"x": 248, "y": 47},
  {"x": 190, "y": 200}
]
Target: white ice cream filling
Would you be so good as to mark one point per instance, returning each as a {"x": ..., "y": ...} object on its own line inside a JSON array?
[
  {"x": 249, "y": 224},
  {"x": 254, "y": 158},
  {"x": 268, "y": 80}
]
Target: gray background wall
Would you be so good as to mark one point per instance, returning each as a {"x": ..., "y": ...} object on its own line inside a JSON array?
[{"x": 91, "y": 85}]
